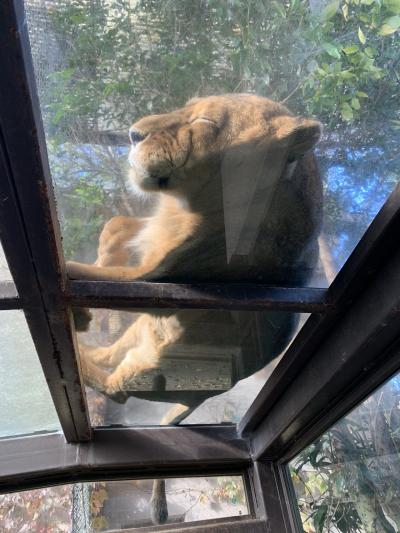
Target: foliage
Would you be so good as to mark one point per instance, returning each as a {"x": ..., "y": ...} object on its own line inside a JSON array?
[
  {"x": 89, "y": 184},
  {"x": 43, "y": 510},
  {"x": 355, "y": 63},
  {"x": 98, "y": 496},
  {"x": 338, "y": 61},
  {"x": 124, "y": 59},
  {"x": 231, "y": 490},
  {"x": 50, "y": 510},
  {"x": 347, "y": 481}
]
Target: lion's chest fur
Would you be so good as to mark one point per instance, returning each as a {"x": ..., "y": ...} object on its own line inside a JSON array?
[{"x": 192, "y": 245}]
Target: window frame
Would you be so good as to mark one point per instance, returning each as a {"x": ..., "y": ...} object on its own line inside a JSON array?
[{"x": 358, "y": 314}]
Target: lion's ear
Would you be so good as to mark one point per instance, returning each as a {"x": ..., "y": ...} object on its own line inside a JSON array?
[{"x": 296, "y": 135}]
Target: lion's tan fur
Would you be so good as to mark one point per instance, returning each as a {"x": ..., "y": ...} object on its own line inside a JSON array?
[
  {"x": 191, "y": 145},
  {"x": 181, "y": 159}
]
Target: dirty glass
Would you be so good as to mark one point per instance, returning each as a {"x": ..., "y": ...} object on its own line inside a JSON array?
[
  {"x": 348, "y": 479},
  {"x": 5, "y": 274},
  {"x": 251, "y": 204},
  {"x": 184, "y": 366},
  {"x": 118, "y": 505},
  {"x": 26, "y": 406}
]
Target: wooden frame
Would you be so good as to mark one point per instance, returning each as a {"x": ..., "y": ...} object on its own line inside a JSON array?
[{"x": 308, "y": 391}]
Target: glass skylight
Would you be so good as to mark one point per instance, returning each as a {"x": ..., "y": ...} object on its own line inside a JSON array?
[
  {"x": 26, "y": 406},
  {"x": 101, "y": 69},
  {"x": 163, "y": 367}
]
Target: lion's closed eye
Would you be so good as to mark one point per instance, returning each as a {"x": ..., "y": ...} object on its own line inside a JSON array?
[{"x": 203, "y": 120}]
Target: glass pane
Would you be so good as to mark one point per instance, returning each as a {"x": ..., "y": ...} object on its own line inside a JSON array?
[
  {"x": 190, "y": 366},
  {"x": 25, "y": 402},
  {"x": 226, "y": 187},
  {"x": 5, "y": 274},
  {"x": 348, "y": 479},
  {"x": 118, "y": 505}
]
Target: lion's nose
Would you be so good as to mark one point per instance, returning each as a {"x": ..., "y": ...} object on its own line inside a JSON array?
[{"x": 135, "y": 136}]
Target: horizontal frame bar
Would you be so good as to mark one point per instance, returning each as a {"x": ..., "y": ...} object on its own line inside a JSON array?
[
  {"x": 222, "y": 525},
  {"x": 9, "y": 298},
  {"x": 238, "y": 296},
  {"x": 32, "y": 462}
]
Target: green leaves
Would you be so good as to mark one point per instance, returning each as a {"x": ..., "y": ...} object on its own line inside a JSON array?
[
  {"x": 370, "y": 52},
  {"x": 331, "y": 50},
  {"x": 361, "y": 36},
  {"x": 319, "y": 517},
  {"x": 355, "y": 104},
  {"x": 346, "y": 112},
  {"x": 393, "y": 6},
  {"x": 333, "y": 60},
  {"x": 352, "y": 49},
  {"x": 330, "y": 11},
  {"x": 390, "y": 25},
  {"x": 279, "y": 8}
]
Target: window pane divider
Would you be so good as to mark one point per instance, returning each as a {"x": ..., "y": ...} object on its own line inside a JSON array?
[
  {"x": 342, "y": 353},
  {"x": 233, "y": 524},
  {"x": 351, "y": 353},
  {"x": 238, "y": 296},
  {"x": 122, "y": 453},
  {"x": 30, "y": 232},
  {"x": 365, "y": 266}
]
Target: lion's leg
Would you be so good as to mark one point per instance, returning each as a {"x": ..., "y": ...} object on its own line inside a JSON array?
[
  {"x": 158, "y": 501},
  {"x": 113, "y": 252},
  {"x": 175, "y": 413},
  {"x": 93, "y": 376},
  {"x": 136, "y": 361},
  {"x": 105, "y": 356},
  {"x": 148, "y": 264},
  {"x": 162, "y": 234},
  {"x": 113, "y": 249},
  {"x": 114, "y": 239},
  {"x": 113, "y": 355},
  {"x": 154, "y": 333}
]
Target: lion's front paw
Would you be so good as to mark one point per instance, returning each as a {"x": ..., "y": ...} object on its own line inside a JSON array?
[
  {"x": 119, "y": 397},
  {"x": 115, "y": 383},
  {"x": 173, "y": 329}
]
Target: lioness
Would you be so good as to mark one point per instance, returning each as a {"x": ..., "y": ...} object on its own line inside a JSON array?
[
  {"x": 217, "y": 156},
  {"x": 239, "y": 198}
]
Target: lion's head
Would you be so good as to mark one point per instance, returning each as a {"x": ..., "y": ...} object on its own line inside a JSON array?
[{"x": 178, "y": 151}]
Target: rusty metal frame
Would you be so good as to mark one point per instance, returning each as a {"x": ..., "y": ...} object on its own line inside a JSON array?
[
  {"x": 359, "y": 313},
  {"x": 29, "y": 227}
]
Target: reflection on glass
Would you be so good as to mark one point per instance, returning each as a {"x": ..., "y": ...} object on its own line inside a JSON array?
[
  {"x": 189, "y": 366},
  {"x": 5, "y": 274},
  {"x": 348, "y": 479},
  {"x": 25, "y": 402},
  {"x": 102, "y": 67},
  {"x": 118, "y": 505}
]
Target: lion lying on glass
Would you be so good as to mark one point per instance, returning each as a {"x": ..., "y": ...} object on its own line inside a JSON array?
[{"x": 239, "y": 200}]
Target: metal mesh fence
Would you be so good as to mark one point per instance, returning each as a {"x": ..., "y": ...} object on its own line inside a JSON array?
[{"x": 81, "y": 508}]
